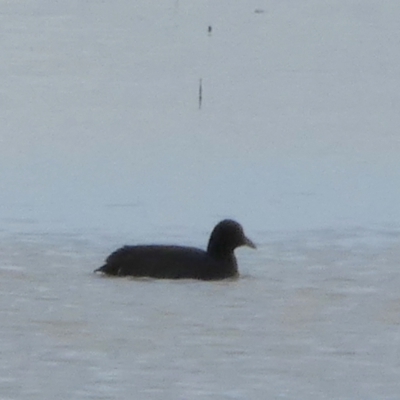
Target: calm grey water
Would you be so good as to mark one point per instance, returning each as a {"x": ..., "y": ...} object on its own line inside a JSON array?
[
  {"x": 102, "y": 143},
  {"x": 315, "y": 315}
]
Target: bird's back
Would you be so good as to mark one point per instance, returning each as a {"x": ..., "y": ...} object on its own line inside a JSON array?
[{"x": 169, "y": 262}]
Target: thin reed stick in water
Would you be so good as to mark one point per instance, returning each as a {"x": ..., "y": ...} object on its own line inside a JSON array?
[{"x": 200, "y": 93}]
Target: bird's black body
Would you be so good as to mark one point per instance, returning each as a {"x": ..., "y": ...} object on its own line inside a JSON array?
[{"x": 178, "y": 262}]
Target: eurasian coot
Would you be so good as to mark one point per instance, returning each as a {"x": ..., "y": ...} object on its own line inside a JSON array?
[{"x": 177, "y": 262}]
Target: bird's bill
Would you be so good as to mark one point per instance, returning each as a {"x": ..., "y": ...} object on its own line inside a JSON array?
[{"x": 249, "y": 243}]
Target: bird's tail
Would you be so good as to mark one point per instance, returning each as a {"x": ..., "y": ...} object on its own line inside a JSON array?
[
  {"x": 108, "y": 269},
  {"x": 101, "y": 269}
]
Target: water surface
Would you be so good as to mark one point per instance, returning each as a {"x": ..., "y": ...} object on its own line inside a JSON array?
[{"x": 102, "y": 143}]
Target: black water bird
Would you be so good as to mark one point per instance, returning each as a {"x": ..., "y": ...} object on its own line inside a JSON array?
[{"x": 178, "y": 262}]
